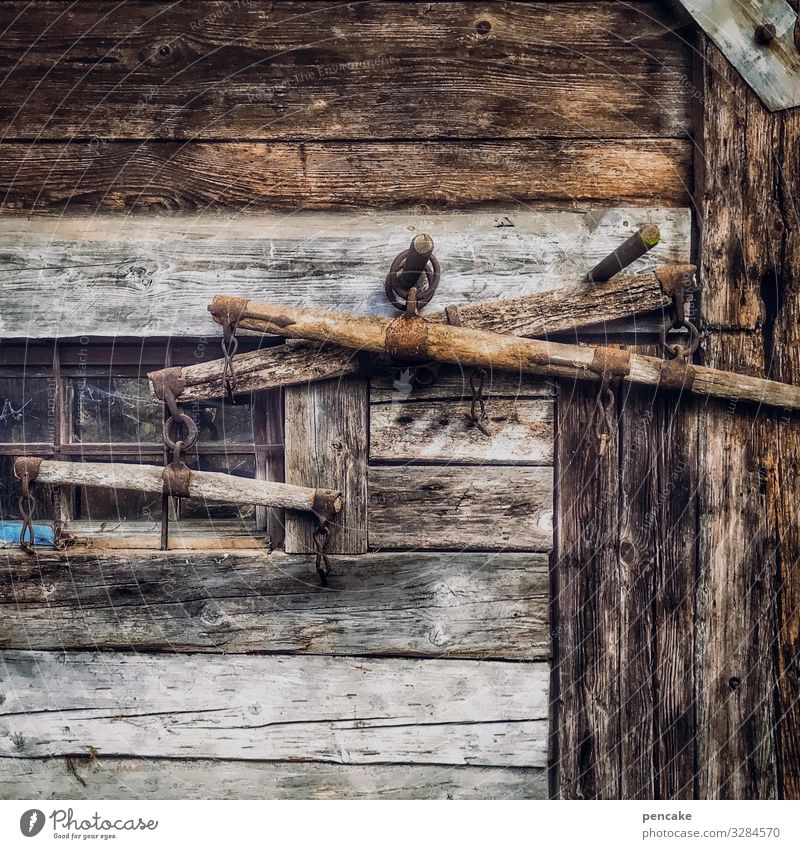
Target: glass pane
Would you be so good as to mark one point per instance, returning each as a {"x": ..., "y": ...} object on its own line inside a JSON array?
[
  {"x": 242, "y": 465},
  {"x": 218, "y": 422},
  {"x": 114, "y": 409},
  {"x": 99, "y": 504},
  {"x": 10, "y": 492},
  {"x": 27, "y": 411}
]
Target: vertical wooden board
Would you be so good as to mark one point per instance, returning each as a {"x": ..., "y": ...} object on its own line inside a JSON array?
[
  {"x": 587, "y": 596},
  {"x": 326, "y": 438},
  {"x": 748, "y": 712},
  {"x": 268, "y": 425},
  {"x": 658, "y": 530}
]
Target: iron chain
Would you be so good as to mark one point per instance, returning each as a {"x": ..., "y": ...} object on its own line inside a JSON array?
[
  {"x": 27, "y": 509},
  {"x": 323, "y": 564},
  {"x": 229, "y": 345}
]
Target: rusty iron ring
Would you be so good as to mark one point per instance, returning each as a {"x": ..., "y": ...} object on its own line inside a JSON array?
[
  {"x": 398, "y": 295},
  {"x": 173, "y": 422},
  {"x": 679, "y": 350}
]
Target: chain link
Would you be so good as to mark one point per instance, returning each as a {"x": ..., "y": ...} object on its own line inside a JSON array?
[
  {"x": 323, "y": 564},
  {"x": 604, "y": 419},
  {"x": 230, "y": 345},
  {"x": 27, "y": 509},
  {"x": 477, "y": 414}
]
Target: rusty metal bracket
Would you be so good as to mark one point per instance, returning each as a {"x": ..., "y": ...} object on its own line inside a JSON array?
[
  {"x": 611, "y": 363},
  {"x": 407, "y": 338},
  {"x": 177, "y": 477},
  {"x": 167, "y": 383}
]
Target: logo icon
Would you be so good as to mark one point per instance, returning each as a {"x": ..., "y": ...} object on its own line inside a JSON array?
[{"x": 31, "y": 822}]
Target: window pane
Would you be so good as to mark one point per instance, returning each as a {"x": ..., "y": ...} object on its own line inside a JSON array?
[
  {"x": 114, "y": 409},
  {"x": 235, "y": 464},
  {"x": 10, "y": 492},
  {"x": 218, "y": 422},
  {"x": 27, "y": 409}
]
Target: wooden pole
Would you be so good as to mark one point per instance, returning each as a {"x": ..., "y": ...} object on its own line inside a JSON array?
[
  {"x": 417, "y": 339},
  {"x": 529, "y": 315},
  {"x": 210, "y": 486}
]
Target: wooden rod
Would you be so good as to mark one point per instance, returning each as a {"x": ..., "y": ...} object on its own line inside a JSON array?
[
  {"x": 211, "y": 486},
  {"x": 529, "y": 315},
  {"x": 415, "y": 338}
]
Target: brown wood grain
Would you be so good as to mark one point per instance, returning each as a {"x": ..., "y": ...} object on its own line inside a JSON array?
[
  {"x": 123, "y": 176},
  {"x": 748, "y": 626},
  {"x": 311, "y": 70},
  {"x": 326, "y": 438},
  {"x": 658, "y": 535},
  {"x": 588, "y": 604}
]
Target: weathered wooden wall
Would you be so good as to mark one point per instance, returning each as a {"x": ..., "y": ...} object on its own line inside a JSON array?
[{"x": 429, "y": 667}]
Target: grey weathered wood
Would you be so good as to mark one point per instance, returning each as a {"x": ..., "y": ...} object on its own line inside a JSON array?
[
  {"x": 208, "y": 486},
  {"x": 150, "y": 275},
  {"x": 521, "y": 432},
  {"x": 339, "y": 710},
  {"x": 268, "y": 368},
  {"x": 159, "y": 778},
  {"x": 487, "y": 509},
  {"x": 309, "y": 70},
  {"x": 326, "y": 438},
  {"x": 435, "y": 605},
  {"x": 773, "y": 70}
]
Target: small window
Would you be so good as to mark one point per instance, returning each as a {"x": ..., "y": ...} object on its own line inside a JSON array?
[{"x": 91, "y": 400}]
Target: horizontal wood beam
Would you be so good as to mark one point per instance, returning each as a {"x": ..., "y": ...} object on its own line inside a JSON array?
[
  {"x": 208, "y": 486},
  {"x": 569, "y": 308},
  {"x": 274, "y": 707},
  {"x": 256, "y": 601},
  {"x": 501, "y": 508},
  {"x": 441, "y": 175},
  {"x": 414, "y": 337},
  {"x": 289, "y": 71},
  {"x": 167, "y": 778},
  {"x": 107, "y": 275}
]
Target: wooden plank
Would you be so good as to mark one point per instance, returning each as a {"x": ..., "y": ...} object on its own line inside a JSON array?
[
  {"x": 587, "y": 596},
  {"x": 326, "y": 438},
  {"x": 196, "y": 176},
  {"x": 159, "y": 778},
  {"x": 747, "y": 708},
  {"x": 442, "y": 605},
  {"x": 289, "y": 70},
  {"x": 487, "y": 509},
  {"x": 338, "y": 710},
  {"x": 154, "y": 276},
  {"x": 657, "y": 558},
  {"x": 453, "y": 383},
  {"x": 521, "y": 432}
]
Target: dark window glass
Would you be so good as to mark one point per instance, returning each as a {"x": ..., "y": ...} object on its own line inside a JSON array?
[{"x": 27, "y": 411}]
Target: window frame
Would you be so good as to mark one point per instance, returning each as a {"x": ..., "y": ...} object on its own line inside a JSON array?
[{"x": 62, "y": 360}]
